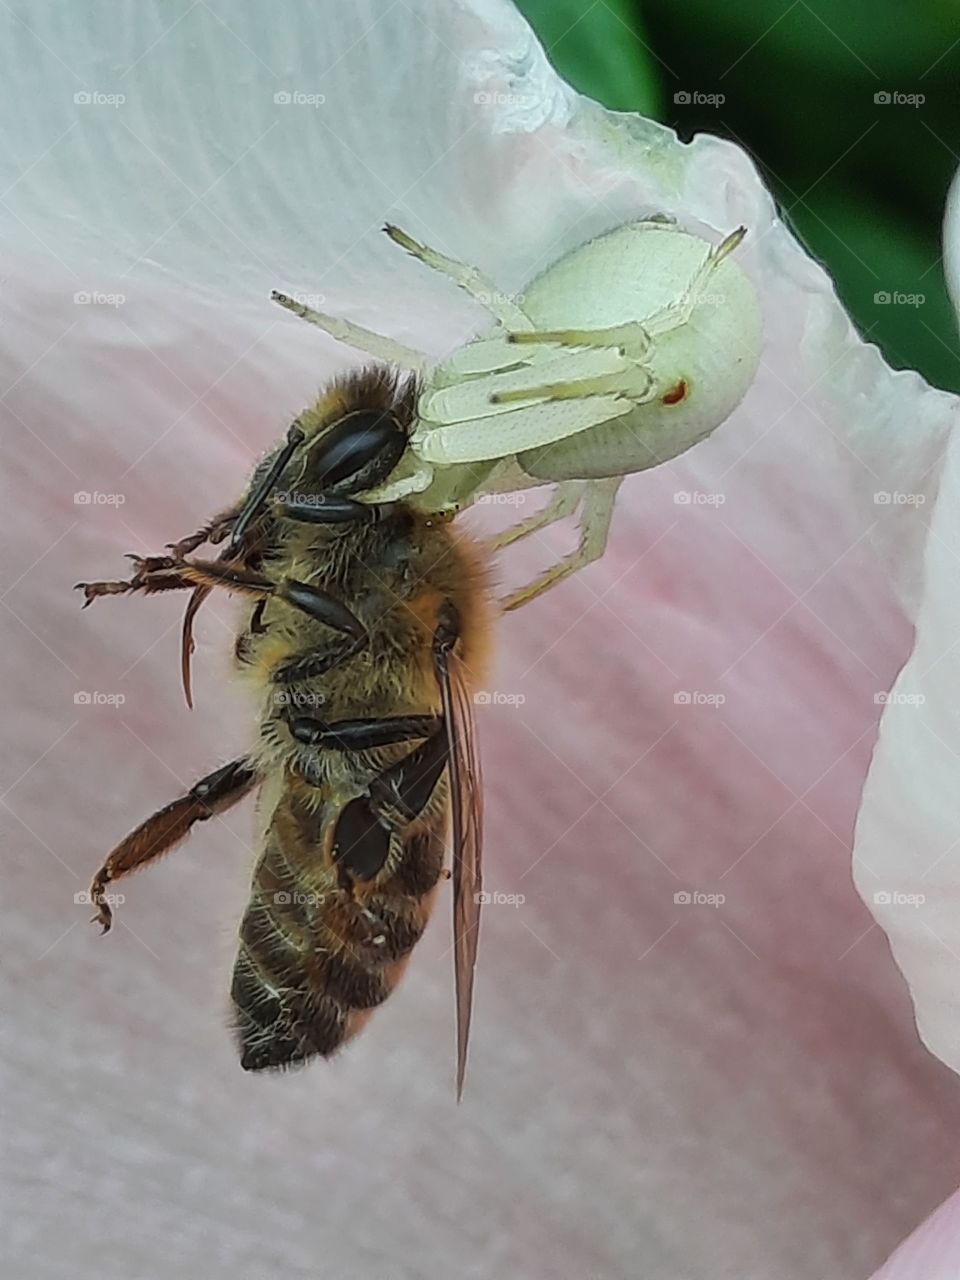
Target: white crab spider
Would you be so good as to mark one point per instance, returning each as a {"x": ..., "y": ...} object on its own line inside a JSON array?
[{"x": 618, "y": 359}]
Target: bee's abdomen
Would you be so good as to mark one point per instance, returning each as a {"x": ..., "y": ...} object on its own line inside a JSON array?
[{"x": 312, "y": 964}]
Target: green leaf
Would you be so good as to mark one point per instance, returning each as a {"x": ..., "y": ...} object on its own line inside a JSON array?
[{"x": 601, "y": 51}]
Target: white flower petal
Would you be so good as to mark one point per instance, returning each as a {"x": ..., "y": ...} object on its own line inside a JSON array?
[{"x": 907, "y": 860}]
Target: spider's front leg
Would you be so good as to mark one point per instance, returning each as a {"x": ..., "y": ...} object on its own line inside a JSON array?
[
  {"x": 505, "y": 312},
  {"x": 354, "y": 335},
  {"x": 468, "y": 278}
]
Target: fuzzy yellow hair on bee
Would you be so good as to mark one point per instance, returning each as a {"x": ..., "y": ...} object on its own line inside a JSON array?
[{"x": 367, "y": 633}]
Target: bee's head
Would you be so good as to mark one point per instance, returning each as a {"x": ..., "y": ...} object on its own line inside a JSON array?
[
  {"x": 357, "y": 431},
  {"x": 344, "y": 446}
]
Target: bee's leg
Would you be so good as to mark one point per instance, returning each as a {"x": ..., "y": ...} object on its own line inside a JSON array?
[
  {"x": 160, "y": 573},
  {"x": 374, "y": 344},
  {"x": 563, "y": 503},
  {"x": 469, "y": 279},
  {"x": 214, "y": 532},
  {"x": 360, "y": 735},
  {"x": 595, "y": 517},
  {"x": 310, "y": 600},
  {"x": 153, "y": 575},
  {"x": 187, "y": 645},
  {"x": 400, "y": 793},
  {"x": 159, "y": 833},
  {"x": 255, "y": 627},
  {"x": 333, "y": 509},
  {"x": 396, "y": 797},
  {"x": 316, "y": 663}
]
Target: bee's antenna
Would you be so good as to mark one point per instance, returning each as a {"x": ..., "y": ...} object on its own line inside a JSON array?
[{"x": 257, "y": 500}]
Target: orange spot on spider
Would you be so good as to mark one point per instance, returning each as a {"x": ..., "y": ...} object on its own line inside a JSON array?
[{"x": 675, "y": 394}]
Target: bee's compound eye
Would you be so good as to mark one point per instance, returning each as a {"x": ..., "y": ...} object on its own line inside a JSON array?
[
  {"x": 361, "y": 843},
  {"x": 359, "y": 452}
]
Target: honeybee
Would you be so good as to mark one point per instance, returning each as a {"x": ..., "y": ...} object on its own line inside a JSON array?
[{"x": 367, "y": 635}]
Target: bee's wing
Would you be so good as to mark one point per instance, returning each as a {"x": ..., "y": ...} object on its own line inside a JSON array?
[{"x": 466, "y": 799}]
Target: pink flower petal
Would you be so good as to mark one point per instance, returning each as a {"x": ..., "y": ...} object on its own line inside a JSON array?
[{"x": 657, "y": 1087}]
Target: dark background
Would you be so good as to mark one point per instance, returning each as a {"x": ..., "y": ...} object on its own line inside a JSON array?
[{"x": 861, "y": 182}]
